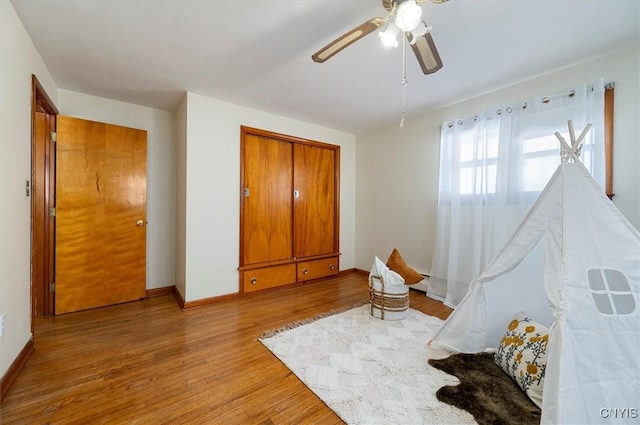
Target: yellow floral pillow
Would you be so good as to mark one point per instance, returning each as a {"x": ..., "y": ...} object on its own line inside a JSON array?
[{"x": 522, "y": 354}]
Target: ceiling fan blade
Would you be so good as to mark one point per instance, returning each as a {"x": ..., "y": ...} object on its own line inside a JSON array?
[
  {"x": 347, "y": 39},
  {"x": 388, "y": 4},
  {"x": 426, "y": 53}
]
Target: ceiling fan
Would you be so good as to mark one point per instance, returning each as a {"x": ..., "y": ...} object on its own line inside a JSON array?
[{"x": 404, "y": 16}]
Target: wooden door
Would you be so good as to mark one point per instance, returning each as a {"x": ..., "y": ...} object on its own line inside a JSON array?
[
  {"x": 100, "y": 214},
  {"x": 43, "y": 163},
  {"x": 266, "y": 200},
  {"x": 315, "y": 205}
]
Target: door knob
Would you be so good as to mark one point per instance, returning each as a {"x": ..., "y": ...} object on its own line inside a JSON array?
[{"x": 139, "y": 223}]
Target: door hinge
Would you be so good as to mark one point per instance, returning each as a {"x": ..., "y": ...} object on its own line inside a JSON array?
[
  {"x": 52, "y": 212},
  {"x": 54, "y": 136},
  {"x": 52, "y": 287}
]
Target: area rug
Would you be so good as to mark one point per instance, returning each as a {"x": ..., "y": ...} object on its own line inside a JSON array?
[
  {"x": 486, "y": 391},
  {"x": 370, "y": 371}
]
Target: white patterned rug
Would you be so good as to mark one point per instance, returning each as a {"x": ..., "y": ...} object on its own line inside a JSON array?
[{"x": 370, "y": 371}]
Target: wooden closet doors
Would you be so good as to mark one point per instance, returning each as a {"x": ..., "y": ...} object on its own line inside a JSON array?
[
  {"x": 314, "y": 214},
  {"x": 101, "y": 188},
  {"x": 267, "y": 193},
  {"x": 288, "y": 210}
]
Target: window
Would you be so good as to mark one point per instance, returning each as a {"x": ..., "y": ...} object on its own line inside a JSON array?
[
  {"x": 611, "y": 292},
  {"x": 539, "y": 160},
  {"x": 536, "y": 157},
  {"x": 478, "y": 164}
]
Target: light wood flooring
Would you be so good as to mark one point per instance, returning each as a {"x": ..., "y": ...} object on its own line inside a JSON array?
[{"x": 148, "y": 362}]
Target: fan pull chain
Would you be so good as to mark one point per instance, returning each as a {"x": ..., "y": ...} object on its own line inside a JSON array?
[{"x": 404, "y": 77}]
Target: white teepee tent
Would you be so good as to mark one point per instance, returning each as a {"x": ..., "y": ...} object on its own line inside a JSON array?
[{"x": 572, "y": 264}]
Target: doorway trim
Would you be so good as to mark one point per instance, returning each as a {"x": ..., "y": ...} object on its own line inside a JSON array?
[{"x": 43, "y": 189}]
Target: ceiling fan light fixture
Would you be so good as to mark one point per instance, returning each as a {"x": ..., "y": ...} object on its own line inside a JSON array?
[
  {"x": 389, "y": 35},
  {"x": 408, "y": 15}
]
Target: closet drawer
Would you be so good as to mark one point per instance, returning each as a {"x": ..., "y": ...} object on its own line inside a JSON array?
[
  {"x": 269, "y": 277},
  {"x": 315, "y": 269}
]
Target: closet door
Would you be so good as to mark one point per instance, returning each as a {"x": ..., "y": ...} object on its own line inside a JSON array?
[
  {"x": 314, "y": 201},
  {"x": 267, "y": 200}
]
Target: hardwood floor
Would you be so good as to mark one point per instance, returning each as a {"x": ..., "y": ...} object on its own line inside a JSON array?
[{"x": 148, "y": 362}]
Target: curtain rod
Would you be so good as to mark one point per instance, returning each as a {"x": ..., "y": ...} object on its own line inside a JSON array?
[
  {"x": 608, "y": 86},
  {"x": 546, "y": 99}
]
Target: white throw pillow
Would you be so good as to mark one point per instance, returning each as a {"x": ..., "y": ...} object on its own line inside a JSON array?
[{"x": 389, "y": 277}]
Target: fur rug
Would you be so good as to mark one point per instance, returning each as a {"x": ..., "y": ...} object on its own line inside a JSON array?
[{"x": 485, "y": 391}]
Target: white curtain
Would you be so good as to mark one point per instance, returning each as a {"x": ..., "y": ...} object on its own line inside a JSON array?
[{"x": 492, "y": 168}]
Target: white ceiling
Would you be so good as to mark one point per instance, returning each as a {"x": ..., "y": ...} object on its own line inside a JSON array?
[{"x": 258, "y": 53}]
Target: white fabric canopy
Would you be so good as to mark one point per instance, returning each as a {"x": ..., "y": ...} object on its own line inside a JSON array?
[{"x": 553, "y": 269}]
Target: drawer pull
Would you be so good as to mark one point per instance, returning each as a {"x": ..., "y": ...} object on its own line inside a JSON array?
[
  {"x": 332, "y": 267},
  {"x": 253, "y": 281},
  {"x": 305, "y": 271}
]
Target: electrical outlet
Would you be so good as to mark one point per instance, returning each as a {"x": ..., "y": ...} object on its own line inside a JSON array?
[{"x": 2, "y": 318}]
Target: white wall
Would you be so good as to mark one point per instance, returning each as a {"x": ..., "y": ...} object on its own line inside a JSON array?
[
  {"x": 18, "y": 60},
  {"x": 161, "y": 171},
  {"x": 397, "y": 168},
  {"x": 212, "y": 170}
]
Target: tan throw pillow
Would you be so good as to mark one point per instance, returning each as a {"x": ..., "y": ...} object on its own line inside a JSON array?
[
  {"x": 522, "y": 354},
  {"x": 397, "y": 264}
]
